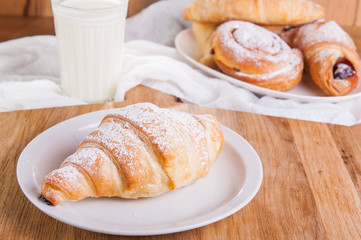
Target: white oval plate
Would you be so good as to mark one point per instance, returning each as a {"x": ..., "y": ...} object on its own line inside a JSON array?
[
  {"x": 305, "y": 91},
  {"x": 231, "y": 183}
]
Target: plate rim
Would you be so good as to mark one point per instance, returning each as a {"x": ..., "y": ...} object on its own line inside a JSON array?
[
  {"x": 254, "y": 88},
  {"x": 101, "y": 113}
]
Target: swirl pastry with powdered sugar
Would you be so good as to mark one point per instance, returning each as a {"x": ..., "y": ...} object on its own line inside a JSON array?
[{"x": 256, "y": 55}]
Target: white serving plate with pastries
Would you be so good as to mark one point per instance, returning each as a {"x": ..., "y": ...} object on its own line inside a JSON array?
[
  {"x": 305, "y": 91},
  {"x": 232, "y": 183}
]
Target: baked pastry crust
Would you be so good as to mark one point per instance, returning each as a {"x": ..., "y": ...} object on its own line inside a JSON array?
[
  {"x": 270, "y": 12},
  {"x": 330, "y": 55},
  {"x": 256, "y": 55},
  {"x": 203, "y": 32},
  {"x": 139, "y": 151}
]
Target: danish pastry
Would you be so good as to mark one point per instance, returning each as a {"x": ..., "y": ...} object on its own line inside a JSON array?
[
  {"x": 330, "y": 55},
  {"x": 256, "y": 55}
]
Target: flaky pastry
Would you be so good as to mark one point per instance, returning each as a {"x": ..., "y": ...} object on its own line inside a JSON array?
[
  {"x": 138, "y": 151},
  {"x": 270, "y": 12},
  {"x": 256, "y": 55},
  {"x": 330, "y": 55}
]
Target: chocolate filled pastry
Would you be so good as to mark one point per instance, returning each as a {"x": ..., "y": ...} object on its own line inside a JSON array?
[
  {"x": 139, "y": 151},
  {"x": 270, "y": 12},
  {"x": 330, "y": 55},
  {"x": 256, "y": 55}
]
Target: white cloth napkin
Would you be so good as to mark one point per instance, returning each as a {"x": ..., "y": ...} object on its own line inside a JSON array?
[{"x": 29, "y": 73}]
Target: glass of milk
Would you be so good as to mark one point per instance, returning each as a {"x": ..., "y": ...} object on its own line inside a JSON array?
[{"x": 90, "y": 36}]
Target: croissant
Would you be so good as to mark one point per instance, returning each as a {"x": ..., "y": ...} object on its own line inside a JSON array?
[
  {"x": 139, "y": 151},
  {"x": 270, "y": 12},
  {"x": 203, "y": 34},
  {"x": 253, "y": 54},
  {"x": 330, "y": 55}
]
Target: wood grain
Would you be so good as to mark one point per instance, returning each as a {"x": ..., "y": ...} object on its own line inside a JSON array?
[
  {"x": 311, "y": 186},
  {"x": 356, "y": 131},
  {"x": 350, "y": 154},
  {"x": 13, "y": 8},
  {"x": 42, "y": 8},
  {"x": 358, "y": 14},
  {"x": 135, "y": 6},
  {"x": 325, "y": 169},
  {"x": 38, "y": 8},
  {"x": 13, "y": 27},
  {"x": 343, "y": 12}
]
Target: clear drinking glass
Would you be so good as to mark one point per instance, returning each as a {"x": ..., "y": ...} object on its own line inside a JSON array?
[{"x": 90, "y": 36}]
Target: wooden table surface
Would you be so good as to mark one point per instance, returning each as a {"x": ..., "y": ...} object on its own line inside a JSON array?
[
  {"x": 312, "y": 171},
  {"x": 311, "y": 186}
]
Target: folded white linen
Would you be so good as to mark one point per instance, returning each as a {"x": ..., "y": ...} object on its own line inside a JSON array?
[
  {"x": 29, "y": 58},
  {"x": 159, "y": 23},
  {"x": 33, "y": 94},
  {"x": 29, "y": 74}
]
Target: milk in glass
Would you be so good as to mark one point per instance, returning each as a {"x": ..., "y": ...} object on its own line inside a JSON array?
[{"x": 90, "y": 36}]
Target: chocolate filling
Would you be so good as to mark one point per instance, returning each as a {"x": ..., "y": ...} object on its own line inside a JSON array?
[
  {"x": 42, "y": 198},
  {"x": 212, "y": 52},
  {"x": 343, "y": 69},
  {"x": 288, "y": 28}
]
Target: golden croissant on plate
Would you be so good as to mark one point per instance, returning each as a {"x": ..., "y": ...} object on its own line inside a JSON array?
[
  {"x": 270, "y": 12},
  {"x": 139, "y": 151}
]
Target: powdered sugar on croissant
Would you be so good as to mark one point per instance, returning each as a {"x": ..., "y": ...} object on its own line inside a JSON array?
[{"x": 139, "y": 151}]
